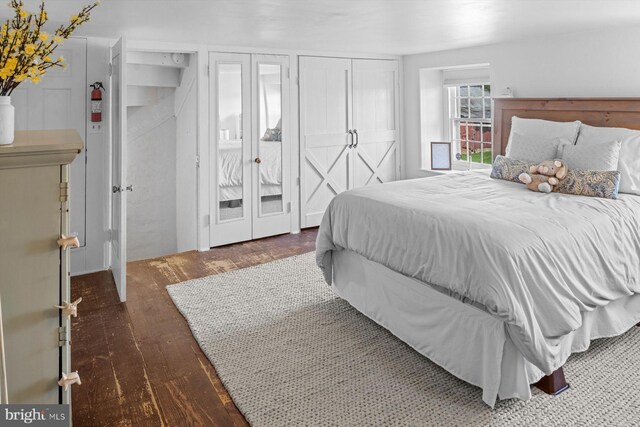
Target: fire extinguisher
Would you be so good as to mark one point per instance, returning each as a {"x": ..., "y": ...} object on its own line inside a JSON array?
[{"x": 96, "y": 102}]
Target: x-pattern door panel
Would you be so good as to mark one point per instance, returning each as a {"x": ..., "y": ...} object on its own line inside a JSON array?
[
  {"x": 375, "y": 118},
  {"x": 325, "y": 116}
]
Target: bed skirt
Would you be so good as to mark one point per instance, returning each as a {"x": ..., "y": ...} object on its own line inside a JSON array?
[{"x": 460, "y": 337}]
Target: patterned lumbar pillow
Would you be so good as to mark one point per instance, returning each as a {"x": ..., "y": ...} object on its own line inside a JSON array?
[
  {"x": 591, "y": 183},
  {"x": 509, "y": 169}
]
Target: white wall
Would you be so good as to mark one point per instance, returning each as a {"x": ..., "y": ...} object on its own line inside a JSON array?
[
  {"x": 599, "y": 63},
  {"x": 186, "y": 113},
  {"x": 94, "y": 256},
  {"x": 151, "y": 169}
]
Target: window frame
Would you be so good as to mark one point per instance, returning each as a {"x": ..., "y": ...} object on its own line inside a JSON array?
[{"x": 453, "y": 120}]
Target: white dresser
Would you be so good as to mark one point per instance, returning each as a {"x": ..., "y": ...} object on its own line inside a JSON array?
[{"x": 34, "y": 270}]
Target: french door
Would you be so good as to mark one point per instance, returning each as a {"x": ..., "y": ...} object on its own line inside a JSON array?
[
  {"x": 348, "y": 128},
  {"x": 250, "y": 147},
  {"x": 230, "y": 134}
]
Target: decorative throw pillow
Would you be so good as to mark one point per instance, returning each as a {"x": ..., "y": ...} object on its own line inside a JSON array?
[
  {"x": 274, "y": 134},
  {"x": 629, "y": 159},
  {"x": 591, "y": 183},
  {"x": 598, "y": 157},
  {"x": 534, "y": 148},
  {"x": 509, "y": 169},
  {"x": 544, "y": 130}
]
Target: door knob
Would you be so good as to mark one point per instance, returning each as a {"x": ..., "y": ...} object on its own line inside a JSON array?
[
  {"x": 129, "y": 187},
  {"x": 257, "y": 160},
  {"x": 116, "y": 189}
]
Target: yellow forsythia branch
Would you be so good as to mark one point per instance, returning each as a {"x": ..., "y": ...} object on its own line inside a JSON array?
[{"x": 26, "y": 49}]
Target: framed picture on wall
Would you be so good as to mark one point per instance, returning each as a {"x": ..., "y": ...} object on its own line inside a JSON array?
[{"x": 441, "y": 156}]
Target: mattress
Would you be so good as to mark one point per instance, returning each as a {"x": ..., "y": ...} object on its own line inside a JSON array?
[{"x": 536, "y": 262}]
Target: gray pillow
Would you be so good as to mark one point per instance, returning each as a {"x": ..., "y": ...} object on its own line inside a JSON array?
[
  {"x": 534, "y": 149},
  {"x": 596, "y": 157}
]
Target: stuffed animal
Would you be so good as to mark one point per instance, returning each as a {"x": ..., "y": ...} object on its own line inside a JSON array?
[{"x": 545, "y": 176}]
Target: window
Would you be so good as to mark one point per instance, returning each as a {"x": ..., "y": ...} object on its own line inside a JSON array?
[{"x": 470, "y": 123}]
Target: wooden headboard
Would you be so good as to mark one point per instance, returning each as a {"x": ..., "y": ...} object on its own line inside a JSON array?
[{"x": 603, "y": 112}]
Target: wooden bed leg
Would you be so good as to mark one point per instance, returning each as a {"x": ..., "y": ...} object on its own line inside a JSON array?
[{"x": 553, "y": 384}]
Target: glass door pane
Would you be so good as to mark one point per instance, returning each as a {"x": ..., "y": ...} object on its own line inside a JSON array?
[
  {"x": 230, "y": 143},
  {"x": 270, "y": 153}
]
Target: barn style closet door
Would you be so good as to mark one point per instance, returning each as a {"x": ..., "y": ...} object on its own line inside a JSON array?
[
  {"x": 325, "y": 138},
  {"x": 230, "y": 148},
  {"x": 375, "y": 121}
]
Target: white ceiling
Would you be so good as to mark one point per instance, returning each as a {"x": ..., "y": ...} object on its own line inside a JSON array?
[{"x": 367, "y": 26}]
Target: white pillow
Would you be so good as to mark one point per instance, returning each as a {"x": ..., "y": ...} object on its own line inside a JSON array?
[
  {"x": 593, "y": 157},
  {"x": 534, "y": 149},
  {"x": 544, "y": 130},
  {"x": 629, "y": 159}
]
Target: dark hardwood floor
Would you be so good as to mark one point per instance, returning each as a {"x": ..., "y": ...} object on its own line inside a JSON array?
[{"x": 139, "y": 363}]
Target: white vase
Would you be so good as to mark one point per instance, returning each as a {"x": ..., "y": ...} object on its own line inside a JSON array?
[{"x": 7, "y": 120}]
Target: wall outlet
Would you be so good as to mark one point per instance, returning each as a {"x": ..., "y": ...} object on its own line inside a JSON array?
[{"x": 95, "y": 127}]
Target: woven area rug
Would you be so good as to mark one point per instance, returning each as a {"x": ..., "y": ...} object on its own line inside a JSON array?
[{"x": 291, "y": 353}]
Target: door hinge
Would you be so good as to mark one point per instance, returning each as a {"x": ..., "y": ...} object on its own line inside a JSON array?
[
  {"x": 64, "y": 191},
  {"x": 63, "y": 336},
  {"x": 289, "y": 207},
  {"x": 110, "y": 235},
  {"x": 288, "y": 72},
  {"x": 209, "y": 70},
  {"x": 110, "y": 69},
  {"x": 197, "y": 161},
  {"x": 298, "y": 181}
]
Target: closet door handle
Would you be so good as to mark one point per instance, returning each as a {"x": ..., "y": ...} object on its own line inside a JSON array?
[
  {"x": 350, "y": 132},
  {"x": 257, "y": 160},
  {"x": 116, "y": 189},
  {"x": 355, "y": 132}
]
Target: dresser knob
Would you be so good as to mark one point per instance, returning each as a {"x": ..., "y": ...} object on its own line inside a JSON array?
[
  {"x": 68, "y": 242},
  {"x": 70, "y": 309},
  {"x": 69, "y": 379}
]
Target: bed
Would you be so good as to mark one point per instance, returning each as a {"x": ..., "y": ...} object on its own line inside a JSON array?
[
  {"x": 496, "y": 284},
  {"x": 230, "y": 169}
]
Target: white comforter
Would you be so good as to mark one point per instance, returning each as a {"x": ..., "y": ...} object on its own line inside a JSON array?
[
  {"x": 533, "y": 260},
  {"x": 230, "y": 163}
]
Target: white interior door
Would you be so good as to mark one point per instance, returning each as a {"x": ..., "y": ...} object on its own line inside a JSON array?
[
  {"x": 59, "y": 101},
  {"x": 375, "y": 121},
  {"x": 119, "y": 166},
  {"x": 230, "y": 148},
  {"x": 325, "y": 141},
  {"x": 271, "y": 146}
]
